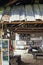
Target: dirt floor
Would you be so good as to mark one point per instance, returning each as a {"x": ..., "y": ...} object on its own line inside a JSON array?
[{"x": 14, "y": 62}]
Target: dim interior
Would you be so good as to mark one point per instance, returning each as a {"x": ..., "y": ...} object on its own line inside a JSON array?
[{"x": 21, "y": 32}]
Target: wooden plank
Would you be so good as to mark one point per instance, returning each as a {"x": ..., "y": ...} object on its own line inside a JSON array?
[
  {"x": 36, "y": 22},
  {"x": 29, "y": 31},
  {"x": 10, "y": 3},
  {"x": 30, "y": 28}
]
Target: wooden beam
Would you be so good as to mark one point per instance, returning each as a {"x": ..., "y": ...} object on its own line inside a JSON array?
[
  {"x": 36, "y": 28},
  {"x": 29, "y": 31},
  {"x": 26, "y": 30},
  {"x": 10, "y": 3},
  {"x": 29, "y": 28},
  {"x": 23, "y": 22}
]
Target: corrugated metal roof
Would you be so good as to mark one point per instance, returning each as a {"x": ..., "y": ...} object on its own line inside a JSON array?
[{"x": 20, "y": 13}]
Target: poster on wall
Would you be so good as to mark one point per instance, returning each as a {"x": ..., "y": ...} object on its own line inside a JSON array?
[
  {"x": 20, "y": 44},
  {"x": 5, "y": 49}
]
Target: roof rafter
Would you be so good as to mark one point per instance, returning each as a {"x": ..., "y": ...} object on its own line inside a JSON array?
[{"x": 11, "y": 2}]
